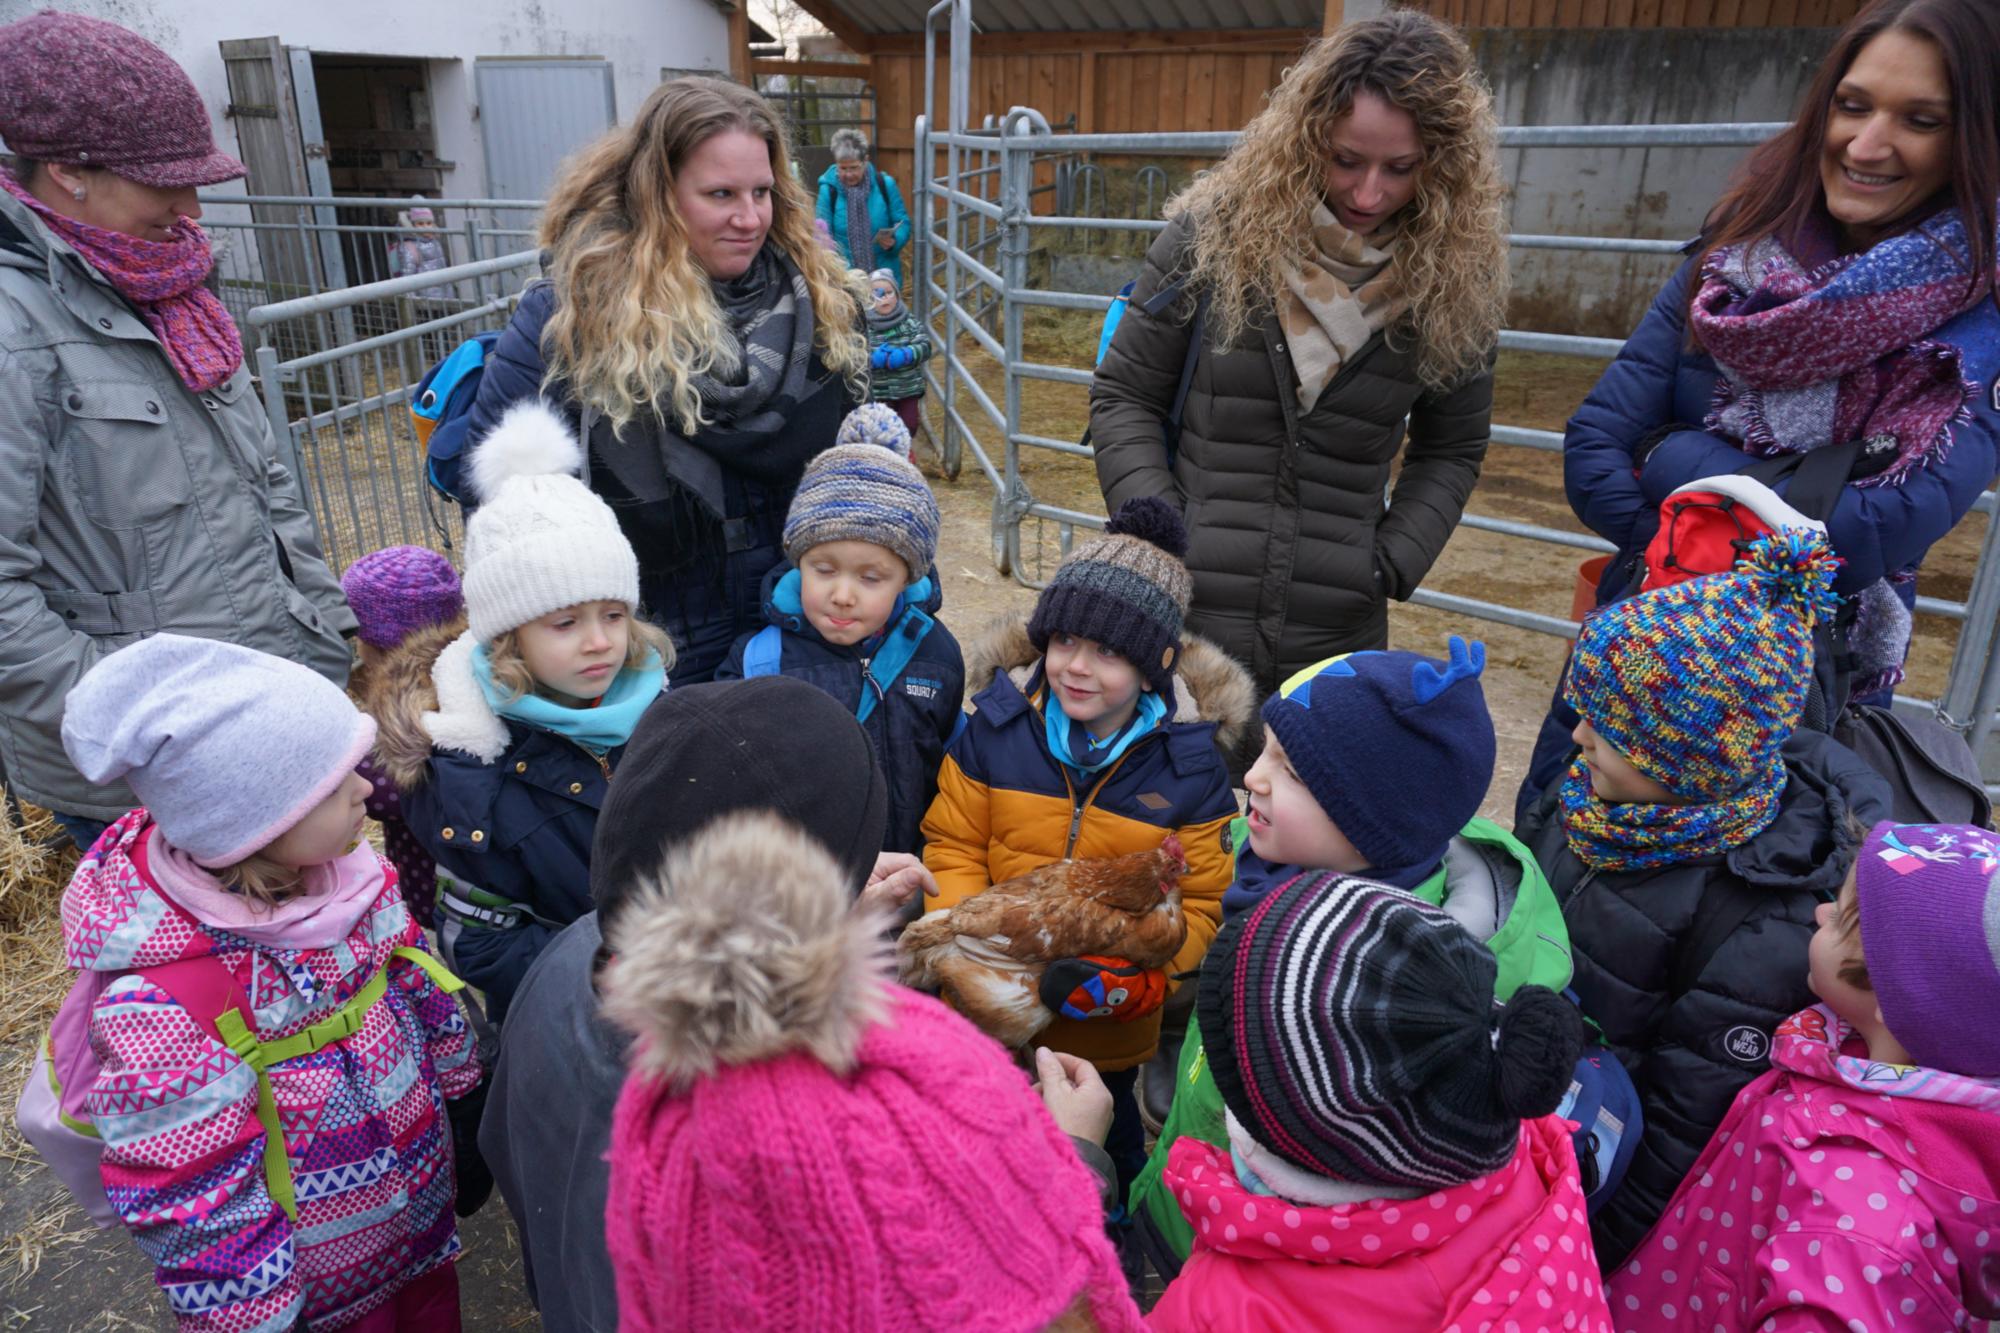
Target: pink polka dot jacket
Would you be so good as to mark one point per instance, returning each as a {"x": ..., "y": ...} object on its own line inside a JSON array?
[
  {"x": 366, "y": 1132},
  {"x": 1839, "y": 1193},
  {"x": 1509, "y": 1250}
]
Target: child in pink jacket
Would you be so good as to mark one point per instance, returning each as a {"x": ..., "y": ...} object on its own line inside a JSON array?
[
  {"x": 1392, "y": 1161},
  {"x": 1857, "y": 1183},
  {"x": 242, "y": 875}
]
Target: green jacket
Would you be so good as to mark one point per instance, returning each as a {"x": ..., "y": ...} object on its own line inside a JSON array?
[
  {"x": 889, "y": 386},
  {"x": 1487, "y": 877}
]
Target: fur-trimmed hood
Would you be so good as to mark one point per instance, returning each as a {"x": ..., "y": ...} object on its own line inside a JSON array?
[
  {"x": 1209, "y": 686},
  {"x": 403, "y": 690}
]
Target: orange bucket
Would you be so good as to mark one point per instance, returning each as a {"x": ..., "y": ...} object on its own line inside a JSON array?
[{"x": 1585, "y": 595}]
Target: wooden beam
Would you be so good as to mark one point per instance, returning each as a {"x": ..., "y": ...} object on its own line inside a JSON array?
[
  {"x": 1086, "y": 97},
  {"x": 830, "y": 15},
  {"x": 1334, "y": 12},
  {"x": 1288, "y": 40},
  {"x": 739, "y": 43},
  {"x": 824, "y": 69}
]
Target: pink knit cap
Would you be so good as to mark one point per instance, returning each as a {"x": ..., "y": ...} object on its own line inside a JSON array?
[{"x": 912, "y": 1180}]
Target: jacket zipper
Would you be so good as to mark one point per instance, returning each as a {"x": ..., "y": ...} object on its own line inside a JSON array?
[
  {"x": 868, "y": 680},
  {"x": 603, "y": 764},
  {"x": 1077, "y": 808}
]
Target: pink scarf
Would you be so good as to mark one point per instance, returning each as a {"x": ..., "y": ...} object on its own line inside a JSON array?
[{"x": 163, "y": 280}]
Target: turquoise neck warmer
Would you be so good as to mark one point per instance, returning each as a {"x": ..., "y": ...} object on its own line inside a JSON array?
[
  {"x": 605, "y": 727},
  {"x": 1076, "y": 747}
]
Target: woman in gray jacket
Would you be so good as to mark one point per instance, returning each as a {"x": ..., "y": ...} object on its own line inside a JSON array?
[
  {"x": 1350, "y": 266},
  {"x": 144, "y": 491}
]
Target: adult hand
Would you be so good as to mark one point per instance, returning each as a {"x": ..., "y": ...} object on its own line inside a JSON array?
[
  {"x": 896, "y": 878},
  {"x": 885, "y": 239},
  {"x": 1074, "y": 1094}
]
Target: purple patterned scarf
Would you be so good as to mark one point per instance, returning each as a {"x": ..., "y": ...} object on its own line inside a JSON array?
[
  {"x": 163, "y": 280},
  {"x": 1819, "y": 348}
]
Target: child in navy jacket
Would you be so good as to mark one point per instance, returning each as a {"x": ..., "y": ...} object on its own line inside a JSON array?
[{"x": 854, "y": 612}]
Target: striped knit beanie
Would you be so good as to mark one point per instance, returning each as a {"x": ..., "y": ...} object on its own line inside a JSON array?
[
  {"x": 874, "y": 423},
  {"x": 864, "y": 493},
  {"x": 1699, "y": 684},
  {"x": 1126, "y": 589},
  {"x": 1353, "y": 1033}
]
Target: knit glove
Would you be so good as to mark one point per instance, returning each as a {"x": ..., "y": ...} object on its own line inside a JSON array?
[
  {"x": 1091, "y": 987},
  {"x": 879, "y": 358},
  {"x": 475, "y": 1178}
]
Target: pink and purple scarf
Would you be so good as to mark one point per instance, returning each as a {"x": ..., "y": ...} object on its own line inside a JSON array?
[{"x": 164, "y": 281}]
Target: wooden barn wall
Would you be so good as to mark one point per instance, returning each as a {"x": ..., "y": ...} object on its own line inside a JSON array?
[{"x": 1641, "y": 13}]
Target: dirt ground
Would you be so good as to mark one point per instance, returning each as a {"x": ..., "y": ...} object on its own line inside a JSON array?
[{"x": 58, "y": 1274}]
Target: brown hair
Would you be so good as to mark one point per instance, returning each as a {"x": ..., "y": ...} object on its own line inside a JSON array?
[
  {"x": 636, "y": 321},
  {"x": 1778, "y": 187},
  {"x": 510, "y": 671},
  {"x": 1251, "y": 214}
]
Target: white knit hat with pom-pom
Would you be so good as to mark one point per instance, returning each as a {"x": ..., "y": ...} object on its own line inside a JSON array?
[{"x": 540, "y": 539}]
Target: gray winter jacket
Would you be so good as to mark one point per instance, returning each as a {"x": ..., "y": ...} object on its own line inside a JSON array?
[
  {"x": 131, "y": 505},
  {"x": 1293, "y": 552}
]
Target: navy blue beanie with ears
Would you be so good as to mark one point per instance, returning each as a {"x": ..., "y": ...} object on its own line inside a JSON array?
[{"x": 1396, "y": 747}]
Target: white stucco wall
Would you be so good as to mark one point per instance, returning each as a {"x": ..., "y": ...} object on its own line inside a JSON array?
[{"x": 639, "y": 37}]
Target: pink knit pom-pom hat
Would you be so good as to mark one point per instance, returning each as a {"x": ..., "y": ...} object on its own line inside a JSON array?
[{"x": 803, "y": 1145}]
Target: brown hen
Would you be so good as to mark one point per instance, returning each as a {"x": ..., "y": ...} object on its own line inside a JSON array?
[{"x": 987, "y": 954}]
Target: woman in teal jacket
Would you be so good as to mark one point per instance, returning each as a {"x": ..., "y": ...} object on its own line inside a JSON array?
[{"x": 863, "y": 208}]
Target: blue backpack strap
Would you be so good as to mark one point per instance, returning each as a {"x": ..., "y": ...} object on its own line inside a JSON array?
[
  {"x": 891, "y": 659},
  {"x": 762, "y": 654}
]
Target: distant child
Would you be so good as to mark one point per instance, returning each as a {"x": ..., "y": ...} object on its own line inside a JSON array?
[
  {"x": 854, "y": 612},
  {"x": 242, "y": 878},
  {"x": 899, "y": 344},
  {"x": 1374, "y": 764},
  {"x": 1095, "y": 735},
  {"x": 394, "y": 594},
  {"x": 1692, "y": 841},
  {"x": 1391, "y": 1160},
  {"x": 420, "y": 247},
  {"x": 1857, "y": 1183},
  {"x": 504, "y": 739}
]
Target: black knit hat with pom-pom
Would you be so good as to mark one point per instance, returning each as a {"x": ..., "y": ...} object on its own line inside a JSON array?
[
  {"x": 1126, "y": 589},
  {"x": 1352, "y": 1031}
]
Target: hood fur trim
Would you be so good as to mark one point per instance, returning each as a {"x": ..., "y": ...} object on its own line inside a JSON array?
[
  {"x": 743, "y": 947},
  {"x": 1209, "y": 685},
  {"x": 463, "y": 720},
  {"x": 398, "y": 693}
]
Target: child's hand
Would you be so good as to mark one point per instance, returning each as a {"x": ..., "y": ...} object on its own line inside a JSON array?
[
  {"x": 1081, "y": 989},
  {"x": 894, "y": 881},
  {"x": 1074, "y": 1094}
]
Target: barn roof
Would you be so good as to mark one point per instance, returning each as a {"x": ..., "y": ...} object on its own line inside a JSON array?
[{"x": 884, "y": 17}]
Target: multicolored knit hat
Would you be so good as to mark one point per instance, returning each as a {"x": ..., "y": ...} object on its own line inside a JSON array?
[
  {"x": 767, "y": 1172},
  {"x": 1700, "y": 684},
  {"x": 1930, "y": 935},
  {"x": 1398, "y": 749},
  {"x": 1126, "y": 589},
  {"x": 1353, "y": 1034},
  {"x": 399, "y": 590},
  {"x": 875, "y": 423},
  {"x": 865, "y": 493}
]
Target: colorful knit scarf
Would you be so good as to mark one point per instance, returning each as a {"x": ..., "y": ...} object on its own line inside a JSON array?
[
  {"x": 1637, "y": 835},
  {"x": 1818, "y": 348},
  {"x": 164, "y": 282}
]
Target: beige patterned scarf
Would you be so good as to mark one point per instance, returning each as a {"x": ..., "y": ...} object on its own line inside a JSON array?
[{"x": 1344, "y": 297}]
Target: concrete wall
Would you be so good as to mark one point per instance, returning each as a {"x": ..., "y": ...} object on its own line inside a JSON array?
[
  {"x": 639, "y": 37},
  {"x": 1626, "y": 77}
]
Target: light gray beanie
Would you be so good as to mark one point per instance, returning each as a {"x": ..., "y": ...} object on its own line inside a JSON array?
[
  {"x": 540, "y": 539},
  {"x": 227, "y": 747}
]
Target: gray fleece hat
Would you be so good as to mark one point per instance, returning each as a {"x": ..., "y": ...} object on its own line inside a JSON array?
[{"x": 226, "y": 747}]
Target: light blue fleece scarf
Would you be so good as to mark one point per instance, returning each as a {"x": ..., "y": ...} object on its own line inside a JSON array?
[
  {"x": 1076, "y": 747},
  {"x": 605, "y": 727}
]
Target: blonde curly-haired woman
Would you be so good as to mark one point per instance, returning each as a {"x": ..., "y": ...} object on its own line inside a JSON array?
[
  {"x": 1349, "y": 266},
  {"x": 701, "y": 340}
]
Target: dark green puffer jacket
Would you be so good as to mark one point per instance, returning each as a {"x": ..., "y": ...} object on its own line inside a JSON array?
[{"x": 1292, "y": 552}]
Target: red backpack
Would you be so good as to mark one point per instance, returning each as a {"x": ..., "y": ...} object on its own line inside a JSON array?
[{"x": 1708, "y": 525}]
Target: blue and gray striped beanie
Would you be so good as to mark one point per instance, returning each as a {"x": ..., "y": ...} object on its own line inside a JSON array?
[
  {"x": 1352, "y": 1031},
  {"x": 864, "y": 493},
  {"x": 1126, "y": 589}
]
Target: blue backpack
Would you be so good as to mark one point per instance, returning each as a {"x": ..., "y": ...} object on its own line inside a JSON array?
[
  {"x": 1158, "y": 302},
  {"x": 441, "y": 410},
  {"x": 1605, "y": 1106}
]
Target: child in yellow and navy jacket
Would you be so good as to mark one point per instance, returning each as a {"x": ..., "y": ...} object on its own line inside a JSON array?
[{"x": 1096, "y": 737}]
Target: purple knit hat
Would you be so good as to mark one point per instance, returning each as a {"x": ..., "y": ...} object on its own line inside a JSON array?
[
  {"x": 1930, "y": 934},
  {"x": 400, "y": 590},
  {"x": 88, "y": 93}
]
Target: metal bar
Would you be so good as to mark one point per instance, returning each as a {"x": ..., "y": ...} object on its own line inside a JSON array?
[
  {"x": 1062, "y": 300},
  {"x": 969, "y": 201},
  {"x": 1533, "y": 621},
  {"x": 363, "y": 201},
  {"x": 385, "y": 339},
  {"x": 1550, "y": 441},
  {"x": 1057, "y": 446},
  {"x": 1507, "y": 527},
  {"x": 1060, "y": 374},
  {"x": 1560, "y": 344},
  {"x": 266, "y": 315},
  {"x": 1620, "y": 244}
]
